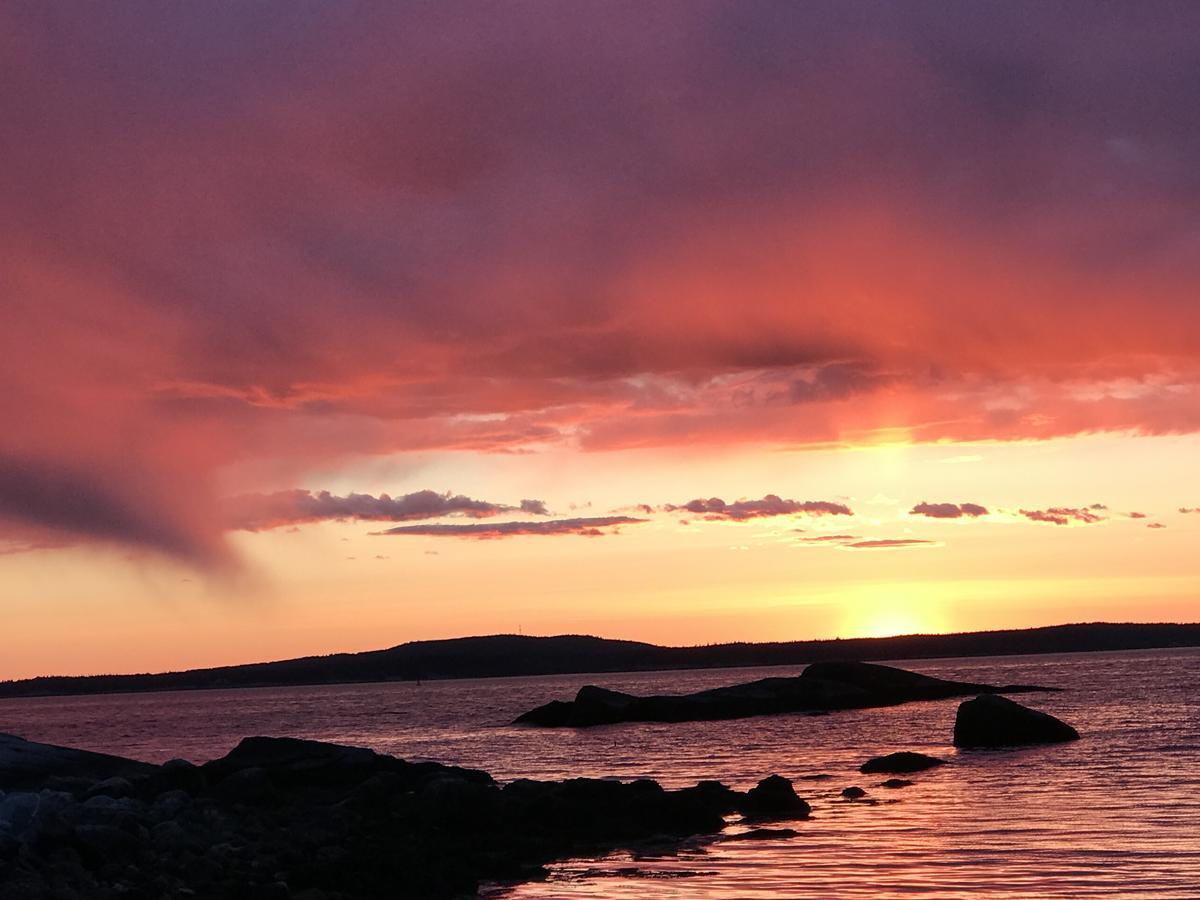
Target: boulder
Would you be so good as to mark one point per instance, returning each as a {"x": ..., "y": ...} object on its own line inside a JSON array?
[
  {"x": 994, "y": 721},
  {"x": 903, "y": 762},
  {"x": 774, "y": 798},
  {"x": 853, "y": 793},
  {"x": 28, "y": 764},
  {"x": 894, "y": 783}
]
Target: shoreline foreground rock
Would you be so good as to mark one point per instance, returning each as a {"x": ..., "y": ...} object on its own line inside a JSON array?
[
  {"x": 994, "y": 721},
  {"x": 821, "y": 687},
  {"x": 291, "y": 819}
]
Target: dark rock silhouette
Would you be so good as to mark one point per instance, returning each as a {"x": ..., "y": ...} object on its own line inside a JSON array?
[
  {"x": 903, "y": 762},
  {"x": 774, "y": 798},
  {"x": 822, "y": 687},
  {"x": 993, "y": 721},
  {"x": 894, "y": 783},
  {"x": 282, "y": 817},
  {"x": 853, "y": 793},
  {"x": 24, "y": 764}
]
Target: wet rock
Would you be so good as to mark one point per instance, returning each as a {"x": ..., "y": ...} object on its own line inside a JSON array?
[
  {"x": 993, "y": 721},
  {"x": 894, "y": 783},
  {"x": 774, "y": 797},
  {"x": 902, "y": 762},
  {"x": 853, "y": 793}
]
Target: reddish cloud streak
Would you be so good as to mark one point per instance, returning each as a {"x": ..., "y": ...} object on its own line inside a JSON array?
[{"x": 888, "y": 544}]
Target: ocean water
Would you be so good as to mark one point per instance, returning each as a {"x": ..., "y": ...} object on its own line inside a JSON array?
[{"x": 1116, "y": 814}]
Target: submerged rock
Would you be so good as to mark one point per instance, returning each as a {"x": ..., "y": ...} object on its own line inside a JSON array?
[
  {"x": 894, "y": 783},
  {"x": 902, "y": 762},
  {"x": 822, "y": 687},
  {"x": 853, "y": 793},
  {"x": 993, "y": 721}
]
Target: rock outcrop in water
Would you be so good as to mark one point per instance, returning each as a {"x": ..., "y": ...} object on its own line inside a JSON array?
[
  {"x": 282, "y": 818},
  {"x": 902, "y": 763},
  {"x": 822, "y": 687},
  {"x": 992, "y": 721}
]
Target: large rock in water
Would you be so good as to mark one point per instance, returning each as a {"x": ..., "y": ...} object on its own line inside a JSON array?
[
  {"x": 822, "y": 687},
  {"x": 993, "y": 721}
]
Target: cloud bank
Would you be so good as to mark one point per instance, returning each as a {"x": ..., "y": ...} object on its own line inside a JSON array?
[{"x": 289, "y": 235}]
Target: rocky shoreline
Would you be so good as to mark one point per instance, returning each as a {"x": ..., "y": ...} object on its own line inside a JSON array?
[
  {"x": 292, "y": 819},
  {"x": 284, "y": 818}
]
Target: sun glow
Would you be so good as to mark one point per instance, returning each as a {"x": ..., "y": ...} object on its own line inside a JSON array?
[{"x": 891, "y": 611}]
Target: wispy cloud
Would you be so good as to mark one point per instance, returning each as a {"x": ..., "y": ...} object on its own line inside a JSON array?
[
  {"x": 594, "y": 526},
  {"x": 1066, "y": 515},
  {"x": 889, "y": 544}
]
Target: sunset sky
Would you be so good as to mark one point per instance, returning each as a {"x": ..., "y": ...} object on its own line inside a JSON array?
[{"x": 329, "y": 326}]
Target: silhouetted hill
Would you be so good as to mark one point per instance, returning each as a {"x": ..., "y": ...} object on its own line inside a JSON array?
[{"x": 508, "y": 655}]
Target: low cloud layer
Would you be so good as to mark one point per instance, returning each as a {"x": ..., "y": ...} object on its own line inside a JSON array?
[
  {"x": 715, "y": 508},
  {"x": 260, "y": 512},
  {"x": 594, "y": 526},
  {"x": 948, "y": 510}
]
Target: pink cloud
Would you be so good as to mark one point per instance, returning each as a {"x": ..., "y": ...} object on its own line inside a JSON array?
[
  {"x": 263, "y": 235},
  {"x": 948, "y": 510},
  {"x": 889, "y": 544}
]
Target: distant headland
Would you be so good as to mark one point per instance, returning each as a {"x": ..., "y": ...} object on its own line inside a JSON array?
[{"x": 509, "y": 655}]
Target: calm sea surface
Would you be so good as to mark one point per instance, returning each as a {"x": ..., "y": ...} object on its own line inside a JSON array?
[{"x": 1116, "y": 814}]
